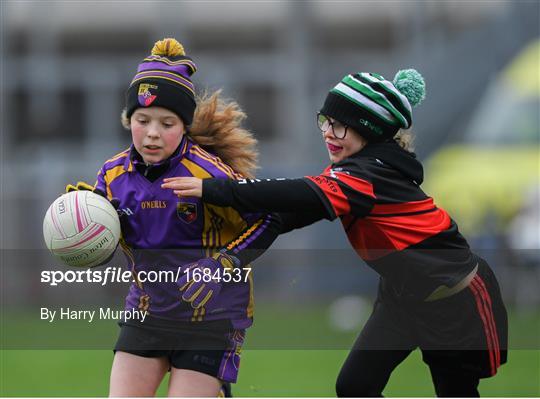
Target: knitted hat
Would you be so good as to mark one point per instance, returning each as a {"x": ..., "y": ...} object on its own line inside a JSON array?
[
  {"x": 163, "y": 80},
  {"x": 373, "y": 106}
]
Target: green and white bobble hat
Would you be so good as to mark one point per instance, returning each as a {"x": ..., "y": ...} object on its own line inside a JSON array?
[{"x": 373, "y": 106}]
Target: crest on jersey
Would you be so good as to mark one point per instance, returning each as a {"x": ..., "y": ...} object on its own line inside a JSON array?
[
  {"x": 145, "y": 96},
  {"x": 186, "y": 211}
]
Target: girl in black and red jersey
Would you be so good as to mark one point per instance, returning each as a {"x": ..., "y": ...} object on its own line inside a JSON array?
[{"x": 434, "y": 293}]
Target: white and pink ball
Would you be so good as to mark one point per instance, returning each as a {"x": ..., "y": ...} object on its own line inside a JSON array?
[{"x": 81, "y": 228}]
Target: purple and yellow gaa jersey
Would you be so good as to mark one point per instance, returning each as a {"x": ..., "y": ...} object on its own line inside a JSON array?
[{"x": 162, "y": 232}]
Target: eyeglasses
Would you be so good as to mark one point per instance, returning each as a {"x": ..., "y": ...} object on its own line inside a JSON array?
[{"x": 339, "y": 130}]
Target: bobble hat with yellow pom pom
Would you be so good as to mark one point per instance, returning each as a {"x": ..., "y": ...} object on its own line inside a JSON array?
[{"x": 163, "y": 79}]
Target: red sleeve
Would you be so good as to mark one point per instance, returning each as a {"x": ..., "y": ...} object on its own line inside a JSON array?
[{"x": 343, "y": 193}]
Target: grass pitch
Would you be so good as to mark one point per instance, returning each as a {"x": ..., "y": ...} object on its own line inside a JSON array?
[{"x": 282, "y": 357}]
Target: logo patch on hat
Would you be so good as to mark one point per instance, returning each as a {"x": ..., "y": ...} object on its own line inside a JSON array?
[
  {"x": 376, "y": 129},
  {"x": 186, "y": 211},
  {"x": 145, "y": 96}
]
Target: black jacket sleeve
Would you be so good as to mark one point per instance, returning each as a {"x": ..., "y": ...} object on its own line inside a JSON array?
[
  {"x": 293, "y": 220},
  {"x": 269, "y": 195},
  {"x": 298, "y": 204}
]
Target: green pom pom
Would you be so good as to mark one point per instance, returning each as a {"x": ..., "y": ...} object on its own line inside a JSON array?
[{"x": 411, "y": 84}]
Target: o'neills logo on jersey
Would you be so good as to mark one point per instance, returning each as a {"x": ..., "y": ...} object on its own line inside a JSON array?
[
  {"x": 153, "y": 204},
  {"x": 186, "y": 211}
]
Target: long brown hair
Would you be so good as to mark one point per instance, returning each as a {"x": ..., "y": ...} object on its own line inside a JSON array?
[{"x": 217, "y": 128}]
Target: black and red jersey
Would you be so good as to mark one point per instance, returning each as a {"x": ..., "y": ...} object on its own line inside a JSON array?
[{"x": 391, "y": 223}]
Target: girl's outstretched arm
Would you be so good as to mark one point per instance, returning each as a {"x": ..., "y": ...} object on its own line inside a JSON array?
[{"x": 253, "y": 195}]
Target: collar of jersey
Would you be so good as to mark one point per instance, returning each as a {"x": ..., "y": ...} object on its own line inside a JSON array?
[{"x": 135, "y": 158}]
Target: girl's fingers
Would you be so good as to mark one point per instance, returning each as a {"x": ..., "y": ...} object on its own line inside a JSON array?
[
  {"x": 172, "y": 182},
  {"x": 171, "y": 185},
  {"x": 175, "y": 181},
  {"x": 179, "y": 178},
  {"x": 183, "y": 186},
  {"x": 173, "y": 178},
  {"x": 178, "y": 185}
]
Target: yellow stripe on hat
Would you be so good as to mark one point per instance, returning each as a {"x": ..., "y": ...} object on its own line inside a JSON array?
[
  {"x": 176, "y": 75},
  {"x": 167, "y": 61},
  {"x": 162, "y": 77}
]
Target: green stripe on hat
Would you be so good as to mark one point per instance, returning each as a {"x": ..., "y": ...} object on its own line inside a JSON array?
[
  {"x": 364, "y": 102},
  {"x": 389, "y": 87},
  {"x": 398, "y": 100},
  {"x": 375, "y": 96}
]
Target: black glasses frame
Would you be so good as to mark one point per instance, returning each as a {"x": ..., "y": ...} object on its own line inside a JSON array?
[{"x": 320, "y": 125}]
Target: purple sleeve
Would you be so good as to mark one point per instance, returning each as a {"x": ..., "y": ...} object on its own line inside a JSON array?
[
  {"x": 255, "y": 239},
  {"x": 100, "y": 183}
]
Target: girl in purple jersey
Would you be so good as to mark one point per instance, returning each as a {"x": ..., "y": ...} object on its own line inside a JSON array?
[
  {"x": 434, "y": 294},
  {"x": 188, "y": 328}
]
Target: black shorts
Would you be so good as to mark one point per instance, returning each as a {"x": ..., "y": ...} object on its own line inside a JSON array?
[
  {"x": 467, "y": 331},
  {"x": 212, "y": 347}
]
